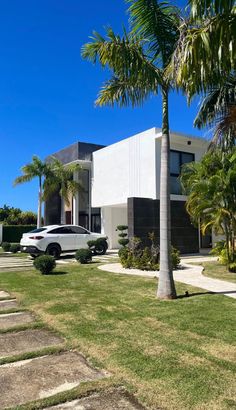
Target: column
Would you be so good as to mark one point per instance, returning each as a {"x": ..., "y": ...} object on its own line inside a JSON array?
[{"x": 76, "y": 202}]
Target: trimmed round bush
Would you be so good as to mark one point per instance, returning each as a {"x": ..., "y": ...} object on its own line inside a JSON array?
[
  {"x": 6, "y": 246},
  {"x": 123, "y": 241},
  {"x": 15, "y": 247},
  {"x": 45, "y": 264},
  {"x": 83, "y": 256}
]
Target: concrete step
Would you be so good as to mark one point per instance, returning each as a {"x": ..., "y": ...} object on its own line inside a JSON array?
[
  {"x": 32, "y": 340},
  {"x": 111, "y": 400},
  {"x": 42, "y": 377},
  {"x": 8, "y": 304},
  {"x": 11, "y": 320}
]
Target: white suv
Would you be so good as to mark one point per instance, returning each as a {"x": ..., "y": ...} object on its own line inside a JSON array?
[{"x": 55, "y": 239}]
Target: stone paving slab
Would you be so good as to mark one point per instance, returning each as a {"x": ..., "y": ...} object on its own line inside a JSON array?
[
  {"x": 42, "y": 377},
  {"x": 10, "y": 320},
  {"x": 114, "y": 400},
  {"x": 7, "y": 263},
  {"x": 8, "y": 304},
  {"x": 27, "y": 341},
  {"x": 4, "y": 294}
]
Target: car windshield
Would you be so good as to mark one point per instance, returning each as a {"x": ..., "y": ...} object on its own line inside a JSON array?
[{"x": 38, "y": 230}]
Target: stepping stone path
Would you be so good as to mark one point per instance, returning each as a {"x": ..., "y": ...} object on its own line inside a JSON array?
[
  {"x": 8, "y": 304},
  {"x": 24, "y": 381},
  {"x": 11, "y": 320},
  {"x": 31, "y": 340},
  {"x": 4, "y": 294},
  {"x": 14, "y": 263},
  {"x": 114, "y": 400},
  {"x": 48, "y": 375}
]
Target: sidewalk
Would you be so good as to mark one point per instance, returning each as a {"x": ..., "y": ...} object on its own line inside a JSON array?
[{"x": 188, "y": 274}]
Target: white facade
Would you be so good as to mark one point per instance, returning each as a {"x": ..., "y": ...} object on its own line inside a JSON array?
[{"x": 131, "y": 168}]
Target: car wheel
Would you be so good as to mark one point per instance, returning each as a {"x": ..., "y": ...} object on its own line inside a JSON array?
[
  {"x": 54, "y": 250},
  {"x": 100, "y": 249}
]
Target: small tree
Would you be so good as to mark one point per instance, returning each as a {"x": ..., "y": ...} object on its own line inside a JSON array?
[
  {"x": 123, "y": 234},
  {"x": 36, "y": 169}
]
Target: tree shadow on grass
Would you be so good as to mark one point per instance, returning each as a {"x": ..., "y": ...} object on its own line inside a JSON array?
[
  {"x": 57, "y": 273},
  {"x": 188, "y": 294}
]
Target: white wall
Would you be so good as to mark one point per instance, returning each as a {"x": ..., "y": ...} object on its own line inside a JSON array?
[
  {"x": 110, "y": 218},
  {"x": 131, "y": 167},
  {"x": 125, "y": 169}
]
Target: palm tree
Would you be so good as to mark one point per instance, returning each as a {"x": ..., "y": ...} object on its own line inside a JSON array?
[
  {"x": 211, "y": 188},
  {"x": 218, "y": 109},
  {"x": 60, "y": 178},
  {"x": 35, "y": 169},
  {"x": 137, "y": 62},
  {"x": 206, "y": 52}
]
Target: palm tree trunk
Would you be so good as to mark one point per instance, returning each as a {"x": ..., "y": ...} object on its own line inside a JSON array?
[
  {"x": 166, "y": 286},
  {"x": 39, "y": 217}
]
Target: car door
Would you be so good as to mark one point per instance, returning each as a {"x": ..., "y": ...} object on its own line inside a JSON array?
[
  {"x": 82, "y": 236},
  {"x": 65, "y": 237}
]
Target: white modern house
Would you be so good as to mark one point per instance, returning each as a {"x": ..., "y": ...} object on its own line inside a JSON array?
[{"x": 121, "y": 186}]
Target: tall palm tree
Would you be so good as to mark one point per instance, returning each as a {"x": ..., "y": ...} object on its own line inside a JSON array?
[
  {"x": 137, "y": 62},
  {"x": 35, "y": 169},
  {"x": 218, "y": 110},
  {"x": 206, "y": 50},
  {"x": 60, "y": 178}
]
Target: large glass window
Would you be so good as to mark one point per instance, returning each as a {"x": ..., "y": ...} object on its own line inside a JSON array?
[{"x": 177, "y": 159}]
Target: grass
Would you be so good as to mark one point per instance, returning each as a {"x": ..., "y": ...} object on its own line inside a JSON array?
[
  {"x": 172, "y": 354},
  {"x": 217, "y": 271}
]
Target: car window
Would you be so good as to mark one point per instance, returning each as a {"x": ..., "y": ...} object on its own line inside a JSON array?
[
  {"x": 79, "y": 230},
  {"x": 38, "y": 230},
  {"x": 62, "y": 230}
]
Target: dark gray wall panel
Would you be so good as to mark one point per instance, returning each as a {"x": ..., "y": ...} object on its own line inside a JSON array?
[{"x": 143, "y": 217}]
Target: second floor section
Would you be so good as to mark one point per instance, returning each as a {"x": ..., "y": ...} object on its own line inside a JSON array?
[{"x": 131, "y": 167}]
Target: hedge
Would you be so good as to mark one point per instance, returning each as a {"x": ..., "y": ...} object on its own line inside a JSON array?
[{"x": 13, "y": 233}]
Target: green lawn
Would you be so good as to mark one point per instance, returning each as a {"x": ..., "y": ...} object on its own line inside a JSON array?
[
  {"x": 172, "y": 354},
  {"x": 218, "y": 271}
]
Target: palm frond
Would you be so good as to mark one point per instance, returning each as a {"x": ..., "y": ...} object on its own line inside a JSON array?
[
  {"x": 217, "y": 103},
  {"x": 22, "y": 179},
  {"x": 206, "y": 53},
  {"x": 158, "y": 22},
  {"x": 204, "y": 8},
  {"x": 125, "y": 92}
]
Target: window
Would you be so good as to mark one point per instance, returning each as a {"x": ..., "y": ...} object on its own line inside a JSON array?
[
  {"x": 38, "y": 230},
  {"x": 79, "y": 230},
  {"x": 62, "y": 230},
  {"x": 177, "y": 159}
]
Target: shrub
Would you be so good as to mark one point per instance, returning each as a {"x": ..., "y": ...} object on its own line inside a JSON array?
[
  {"x": 232, "y": 267},
  {"x": 98, "y": 245},
  {"x": 145, "y": 257},
  {"x": 13, "y": 233},
  {"x": 175, "y": 257},
  {"x": 15, "y": 247},
  {"x": 218, "y": 247},
  {"x": 6, "y": 246},
  {"x": 84, "y": 256},
  {"x": 123, "y": 241},
  {"x": 45, "y": 264}
]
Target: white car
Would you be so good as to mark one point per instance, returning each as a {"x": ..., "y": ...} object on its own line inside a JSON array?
[{"x": 56, "y": 239}]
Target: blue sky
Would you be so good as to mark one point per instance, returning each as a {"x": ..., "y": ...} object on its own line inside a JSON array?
[{"x": 47, "y": 91}]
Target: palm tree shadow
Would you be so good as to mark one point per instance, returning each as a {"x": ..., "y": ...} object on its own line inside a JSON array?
[{"x": 188, "y": 294}]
